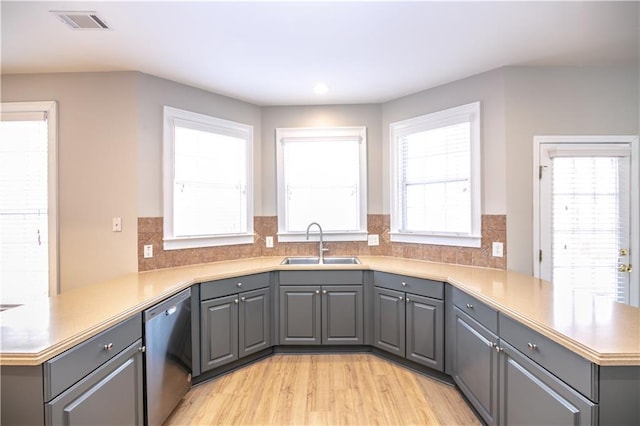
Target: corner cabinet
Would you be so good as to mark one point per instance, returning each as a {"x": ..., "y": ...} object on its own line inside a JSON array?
[
  {"x": 235, "y": 319},
  {"x": 321, "y": 307},
  {"x": 409, "y": 318}
]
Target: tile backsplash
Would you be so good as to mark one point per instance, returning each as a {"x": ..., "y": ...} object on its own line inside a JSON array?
[{"x": 494, "y": 228}]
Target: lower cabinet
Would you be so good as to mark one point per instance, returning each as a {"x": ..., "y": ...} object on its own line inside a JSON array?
[
  {"x": 234, "y": 326},
  {"x": 111, "y": 395},
  {"x": 475, "y": 365},
  {"x": 410, "y": 326},
  {"x": 322, "y": 314},
  {"x": 531, "y": 395}
]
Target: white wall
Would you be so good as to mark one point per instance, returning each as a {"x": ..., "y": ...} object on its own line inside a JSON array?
[
  {"x": 557, "y": 101},
  {"x": 488, "y": 88},
  {"x": 322, "y": 116},
  {"x": 97, "y": 118}
]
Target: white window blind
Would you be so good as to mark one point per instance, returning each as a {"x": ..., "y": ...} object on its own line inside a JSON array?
[
  {"x": 207, "y": 181},
  {"x": 322, "y": 178},
  {"x": 435, "y": 173},
  {"x": 590, "y": 223},
  {"x": 24, "y": 207}
]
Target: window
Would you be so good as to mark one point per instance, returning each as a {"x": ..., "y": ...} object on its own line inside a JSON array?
[
  {"x": 435, "y": 175},
  {"x": 322, "y": 175},
  {"x": 208, "y": 197},
  {"x": 28, "y": 202}
]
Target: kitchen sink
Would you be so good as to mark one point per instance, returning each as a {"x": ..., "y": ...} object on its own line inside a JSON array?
[{"x": 316, "y": 261}]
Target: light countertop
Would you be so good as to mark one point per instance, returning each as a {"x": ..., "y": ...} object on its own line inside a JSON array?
[{"x": 602, "y": 331}]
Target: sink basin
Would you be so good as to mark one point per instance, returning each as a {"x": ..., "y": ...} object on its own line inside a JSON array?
[{"x": 316, "y": 261}]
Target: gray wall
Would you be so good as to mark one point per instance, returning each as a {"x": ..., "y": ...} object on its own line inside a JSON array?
[
  {"x": 556, "y": 101},
  {"x": 488, "y": 88},
  {"x": 153, "y": 94},
  {"x": 97, "y": 168},
  {"x": 322, "y": 116}
]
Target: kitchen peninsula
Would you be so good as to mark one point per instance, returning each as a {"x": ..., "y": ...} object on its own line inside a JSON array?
[{"x": 602, "y": 335}]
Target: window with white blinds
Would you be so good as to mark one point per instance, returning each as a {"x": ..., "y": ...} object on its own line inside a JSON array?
[
  {"x": 28, "y": 255},
  {"x": 590, "y": 221},
  {"x": 208, "y": 169},
  {"x": 322, "y": 178},
  {"x": 435, "y": 175}
]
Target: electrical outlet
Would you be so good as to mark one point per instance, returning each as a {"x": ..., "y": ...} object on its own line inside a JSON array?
[
  {"x": 497, "y": 249},
  {"x": 269, "y": 242},
  {"x": 116, "y": 224},
  {"x": 373, "y": 240},
  {"x": 148, "y": 251}
]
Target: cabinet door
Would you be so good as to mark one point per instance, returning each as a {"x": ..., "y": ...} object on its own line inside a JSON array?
[
  {"x": 254, "y": 321},
  {"x": 342, "y": 315},
  {"x": 389, "y": 320},
  {"x": 111, "y": 395},
  {"x": 300, "y": 315},
  {"x": 425, "y": 331},
  {"x": 529, "y": 395},
  {"x": 219, "y": 332},
  {"x": 475, "y": 365}
]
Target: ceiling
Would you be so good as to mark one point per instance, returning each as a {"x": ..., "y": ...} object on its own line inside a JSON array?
[{"x": 273, "y": 53}]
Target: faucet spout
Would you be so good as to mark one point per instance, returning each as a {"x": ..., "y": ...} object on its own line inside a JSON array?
[{"x": 321, "y": 248}]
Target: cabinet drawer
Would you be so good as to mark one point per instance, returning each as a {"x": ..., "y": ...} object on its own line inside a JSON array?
[
  {"x": 576, "y": 371},
  {"x": 477, "y": 310},
  {"x": 219, "y": 288},
  {"x": 320, "y": 277},
  {"x": 69, "y": 367},
  {"x": 419, "y": 286}
]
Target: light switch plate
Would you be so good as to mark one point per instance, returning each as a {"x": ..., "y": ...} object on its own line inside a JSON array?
[
  {"x": 269, "y": 242},
  {"x": 116, "y": 224},
  {"x": 497, "y": 249}
]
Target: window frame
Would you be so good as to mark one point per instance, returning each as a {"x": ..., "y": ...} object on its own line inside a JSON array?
[
  {"x": 50, "y": 110},
  {"x": 318, "y": 134},
  {"x": 171, "y": 116},
  {"x": 468, "y": 112}
]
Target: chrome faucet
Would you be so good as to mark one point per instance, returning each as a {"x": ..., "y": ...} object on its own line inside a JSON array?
[{"x": 321, "y": 248}]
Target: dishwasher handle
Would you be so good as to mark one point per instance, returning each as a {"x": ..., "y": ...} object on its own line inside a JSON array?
[{"x": 172, "y": 310}]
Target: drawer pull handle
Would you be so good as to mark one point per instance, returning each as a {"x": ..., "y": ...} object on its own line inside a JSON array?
[
  {"x": 469, "y": 306},
  {"x": 404, "y": 284},
  {"x": 239, "y": 284},
  {"x": 532, "y": 346},
  {"x": 108, "y": 346}
]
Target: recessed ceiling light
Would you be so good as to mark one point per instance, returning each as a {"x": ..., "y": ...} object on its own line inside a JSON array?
[
  {"x": 320, "y": 88},
  {"x": 81, "y": 20}
]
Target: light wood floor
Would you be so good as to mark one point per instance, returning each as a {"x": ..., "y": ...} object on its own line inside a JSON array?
[{"x": 331, "y": 389}]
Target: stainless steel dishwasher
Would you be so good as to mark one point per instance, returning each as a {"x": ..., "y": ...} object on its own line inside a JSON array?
[{"x": 167, "y": 334}]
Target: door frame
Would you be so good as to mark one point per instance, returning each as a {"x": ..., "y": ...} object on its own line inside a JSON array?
[{"x": 633, "y": 140}]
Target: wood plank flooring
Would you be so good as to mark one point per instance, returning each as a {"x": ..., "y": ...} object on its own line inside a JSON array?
[{"x": 327, "y": 389}]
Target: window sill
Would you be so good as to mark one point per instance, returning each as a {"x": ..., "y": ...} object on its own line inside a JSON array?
[
  {"x": 178, "y": 243},
  {"x": 442, "y": 240},
  {"x": 301, "y": 237}
]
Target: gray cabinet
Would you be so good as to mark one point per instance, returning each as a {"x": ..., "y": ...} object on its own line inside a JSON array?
[
  {"x": 530, "y": 395},
  {"x": 314, "y": 315},
  {"x": 111, "y": 395},
  {"x": 475, "y": 365},
  {"x": 407, "y": 324},
  {"x": 234, "y": 326}
]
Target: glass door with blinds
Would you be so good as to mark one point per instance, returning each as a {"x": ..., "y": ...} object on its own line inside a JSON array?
[
  {"x": 28, "y": 227},
  {"x": 585, "y": 218}
]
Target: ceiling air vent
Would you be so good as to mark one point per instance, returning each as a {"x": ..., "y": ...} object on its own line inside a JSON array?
[{"x": 82, "y": 20}]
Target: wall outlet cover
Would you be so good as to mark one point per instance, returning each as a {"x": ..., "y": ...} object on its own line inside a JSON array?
[
  {"x": 497, "y": 249},
  {"x": 148, "y": 251},
  {"x": 269, "y": 242},
  {"x": 373, "y": 239}
]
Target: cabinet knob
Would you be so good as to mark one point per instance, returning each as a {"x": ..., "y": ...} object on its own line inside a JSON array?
[
  {"x": 108, "y": 346},
  {"x": 498, "y": 348},
  {"x": 492, "y": 345},
  {"x": 408, "y": 300},
  {"x": 142, "y": 349},
  {"x": 242, "y": 299},
  {"x": 400, "y": 298},
  {"x": 239, "y": 284},
  {"x": 236, "y": 301},
  {"x": 324, "y": 291},
  {"x": 404, "y": 284},
  {"x": 317, "y": 291},
  {"x": 469, "y": 306},
  {"x": 532, "y": 346}
]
